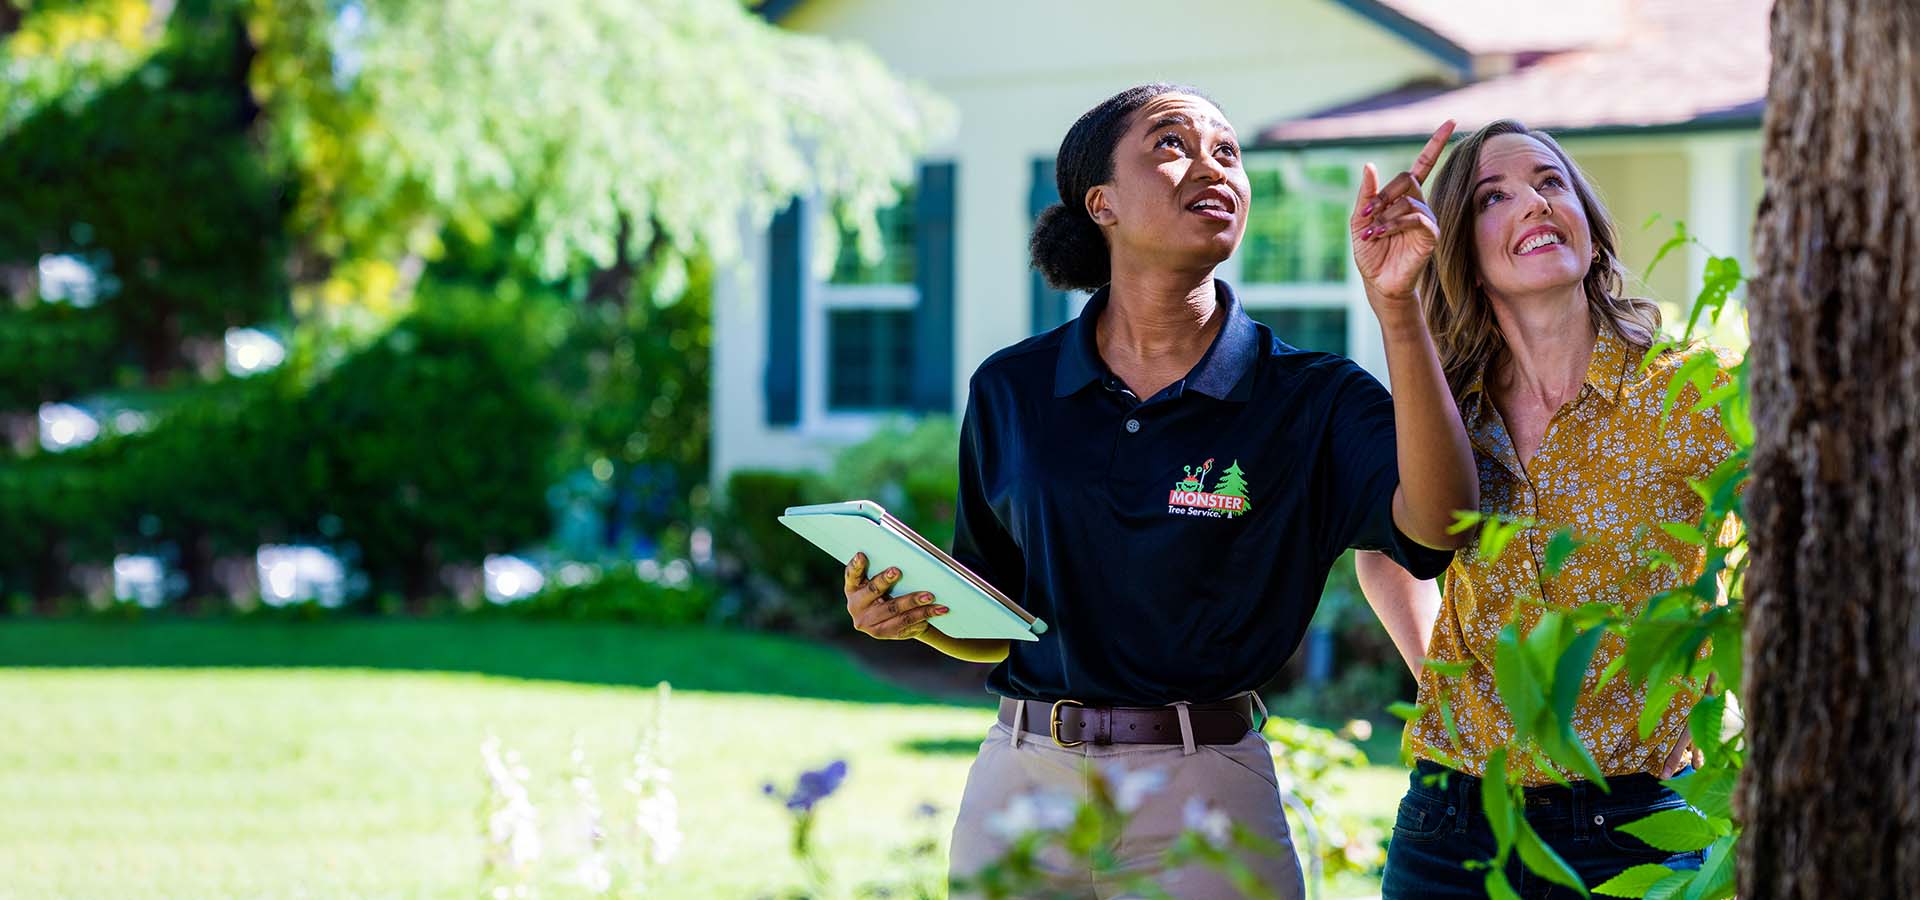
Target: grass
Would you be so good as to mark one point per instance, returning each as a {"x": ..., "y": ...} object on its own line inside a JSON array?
[{"x": 341, "y": 759}]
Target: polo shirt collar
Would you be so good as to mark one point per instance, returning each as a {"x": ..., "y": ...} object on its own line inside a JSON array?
[{"x": 1222, "y": 372}]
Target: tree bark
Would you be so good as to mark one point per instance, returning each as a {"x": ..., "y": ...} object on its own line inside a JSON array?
[{"x": 1831, "y": 792}]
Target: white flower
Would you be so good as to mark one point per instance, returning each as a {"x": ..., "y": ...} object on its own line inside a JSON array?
[
  {"x": 1212, "y": 824},
  {"x": 1031, "y": 812},
  {"x": 513, "y": 824},
  {"x": 1131, "y": 788},
  {"x": 656, "y": 810}
]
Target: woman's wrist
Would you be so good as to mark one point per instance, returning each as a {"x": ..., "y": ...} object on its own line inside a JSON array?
[{"x": 1400, "y": 318}]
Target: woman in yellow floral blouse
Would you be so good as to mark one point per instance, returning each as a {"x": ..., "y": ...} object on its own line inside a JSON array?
[{"x": 1542, "y": 348}]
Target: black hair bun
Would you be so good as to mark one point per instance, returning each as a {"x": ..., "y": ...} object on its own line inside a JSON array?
[{"x": 1069, "y": 251}]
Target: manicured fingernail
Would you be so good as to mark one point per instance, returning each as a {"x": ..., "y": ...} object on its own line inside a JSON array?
[
  {"x": 939, "y": 610},
  {"x": 1369, "y": 210},
  {"x": 893, "y": 573},
  {"x": 1367, "y": 234}
]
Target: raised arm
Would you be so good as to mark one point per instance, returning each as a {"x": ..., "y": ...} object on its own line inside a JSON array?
[{"x": 1394, "y": 233}]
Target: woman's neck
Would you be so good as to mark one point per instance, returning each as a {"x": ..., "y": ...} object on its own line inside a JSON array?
[
  {"x": 1161, "y": 317},
  {"x": 1549, "y": 344}
]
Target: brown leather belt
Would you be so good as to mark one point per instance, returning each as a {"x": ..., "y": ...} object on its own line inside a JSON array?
[{"x": 1071, "y": 723}]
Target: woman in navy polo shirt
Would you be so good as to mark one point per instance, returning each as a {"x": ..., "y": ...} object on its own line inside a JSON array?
[{"x": 1167, "y": 484}]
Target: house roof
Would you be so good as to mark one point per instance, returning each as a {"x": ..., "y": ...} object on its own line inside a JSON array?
[{"x": 1664, "y": 64}]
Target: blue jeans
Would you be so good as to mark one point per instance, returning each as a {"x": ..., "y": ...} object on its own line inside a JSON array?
[{"x": 1440, "y": 827}]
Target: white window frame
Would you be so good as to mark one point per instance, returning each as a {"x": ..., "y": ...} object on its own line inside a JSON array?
[
  {"x": 1348, "y": 293},
  {"x": 819, "y": 297}
]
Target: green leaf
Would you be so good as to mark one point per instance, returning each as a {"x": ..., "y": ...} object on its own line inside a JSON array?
[
  {"x": 1708, "y": 790},
  {"x": 1543, "y": 860},
  {"x": 1703, "y": 722},
  {"x": 1559, "y": 547},
  {"x": 1447, "y": 668},
  {"x": 1726, "y": 661},
  {"x": 1446, "y": 721},
  {"x": 1595, "y": 614},
  {"x": 1673, "y": 830},
  {"x": 1464, "y": 520},
  {"x": 1659, "y": 696},
  {"x": 1495, "y": 537},
  {"x": 1497, "y": 802},
  {"x": 1716, "y": 396},
  {"x": 1518, "y": 685},
  {"x": 1405, "y": 710},
  {"x": 1497, "y": 886},
  {"x": 1613, "y": 668},
  {"x": 1682, "y": 377},
  {"x": 1570, "y": 673},
  {"x": 1680, "y": 239},
  {"x": 1681, "y": 531},
  {"x": 1715, "y": 881},
  {"x": 1672, "y": 886},
  {"x": 1633, "y": 882},
  {"x": 1654, "y": 352}
]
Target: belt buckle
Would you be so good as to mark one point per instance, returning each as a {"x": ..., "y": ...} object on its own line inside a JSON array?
[{"x": 1053, "y": 723}]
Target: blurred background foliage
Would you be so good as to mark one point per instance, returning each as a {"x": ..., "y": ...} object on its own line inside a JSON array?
[{"x": 411, "y": 283}]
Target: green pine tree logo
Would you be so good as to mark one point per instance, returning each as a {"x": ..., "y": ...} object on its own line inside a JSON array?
[{"x": 1233, "y": 483}]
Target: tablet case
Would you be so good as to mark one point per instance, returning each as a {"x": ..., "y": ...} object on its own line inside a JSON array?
[{"x": 975, "y": 608}]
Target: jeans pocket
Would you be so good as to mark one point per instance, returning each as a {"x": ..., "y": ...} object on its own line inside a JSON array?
[
  {"x": 1422, "y": 817},
  {"x": 1608, "y": 821}
]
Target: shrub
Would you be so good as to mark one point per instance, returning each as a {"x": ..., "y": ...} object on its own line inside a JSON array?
[{"x": 620, "y": 593}]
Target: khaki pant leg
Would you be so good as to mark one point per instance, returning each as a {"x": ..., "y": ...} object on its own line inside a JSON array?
[
  {"x": 1000, "y": 773},
  {"x": 1237, "y": 779}
]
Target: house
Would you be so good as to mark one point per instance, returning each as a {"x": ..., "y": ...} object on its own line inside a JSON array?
[{"x": 1659, "y": 100}]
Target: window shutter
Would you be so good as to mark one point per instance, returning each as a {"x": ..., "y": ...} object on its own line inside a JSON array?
[
  {"x": 933, "y": 319},
  {"x": 786, "y": 271}
]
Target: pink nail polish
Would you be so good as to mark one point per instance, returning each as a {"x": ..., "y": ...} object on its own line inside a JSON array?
[{"x": 1368, "y": 211}]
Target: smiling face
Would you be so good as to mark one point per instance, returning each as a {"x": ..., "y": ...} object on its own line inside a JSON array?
[
  {"x": 1530, "y": 229},
  {"x": 1178, "y": 196}
]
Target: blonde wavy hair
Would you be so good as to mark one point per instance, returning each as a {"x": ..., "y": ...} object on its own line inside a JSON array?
[{"x": 1457, "y": 309}]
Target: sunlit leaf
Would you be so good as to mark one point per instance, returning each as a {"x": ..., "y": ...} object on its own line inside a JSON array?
[
  {"x": 1716, "y": 878},
  {"x": 1673, "y": 830},
  {"x": 1548, "y": 864},
  {"x": 1708, "y": 790},
  {"x": 1634, "y": 882},
  {"x": 1559, "y": 547}
]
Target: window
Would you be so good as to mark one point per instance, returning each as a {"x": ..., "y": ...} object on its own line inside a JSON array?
[
  {"x": 1307, "y": 327},
  {"x": 895, "y": 265},
  {"x": 1297, "y": 231},
  {"x": 1294, "y": 261},
  {"x": 869, "y": 308},
  {"x": 870, "y": 359}
]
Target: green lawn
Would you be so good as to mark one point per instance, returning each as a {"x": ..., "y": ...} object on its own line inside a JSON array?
[{"x": 213, "y": 759}]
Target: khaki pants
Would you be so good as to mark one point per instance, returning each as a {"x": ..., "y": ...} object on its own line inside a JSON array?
[{"x": 1237, "y": 779}]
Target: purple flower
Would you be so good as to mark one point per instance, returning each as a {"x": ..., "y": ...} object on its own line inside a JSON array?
[{"x": 816, "y": 785}]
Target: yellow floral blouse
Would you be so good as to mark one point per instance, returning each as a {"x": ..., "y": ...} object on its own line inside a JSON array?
[{"x": 1607, "y": 469}]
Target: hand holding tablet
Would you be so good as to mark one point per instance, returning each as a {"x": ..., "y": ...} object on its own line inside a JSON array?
[{"x": 976, "y": 609}]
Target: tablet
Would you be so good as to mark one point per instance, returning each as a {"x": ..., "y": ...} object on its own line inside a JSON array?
[{"x": 976, "y": 609}]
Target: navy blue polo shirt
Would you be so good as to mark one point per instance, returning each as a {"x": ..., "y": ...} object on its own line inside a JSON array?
[{"x": 1178, "y": 546}]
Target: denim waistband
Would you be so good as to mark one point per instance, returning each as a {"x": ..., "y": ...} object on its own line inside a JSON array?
[{"x": 1620, "y": 788}]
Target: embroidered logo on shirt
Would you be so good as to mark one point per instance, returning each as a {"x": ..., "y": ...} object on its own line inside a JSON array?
[{"x": 1228, "y": 498}]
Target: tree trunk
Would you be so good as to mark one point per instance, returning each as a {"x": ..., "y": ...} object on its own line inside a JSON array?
[{"x": 1831, "y": 792}]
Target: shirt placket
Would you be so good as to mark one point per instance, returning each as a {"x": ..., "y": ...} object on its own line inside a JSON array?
[{"x": 1541, "y": 478}]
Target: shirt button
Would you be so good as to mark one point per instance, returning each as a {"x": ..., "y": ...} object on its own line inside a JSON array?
[{"x": 1133, "y": 426}]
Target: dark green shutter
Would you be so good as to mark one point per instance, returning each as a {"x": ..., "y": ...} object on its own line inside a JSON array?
[
  {"x": 933, "y": 320},
  {"x": 786, "y": 273},
  {"x": 1049, "y": 305}
]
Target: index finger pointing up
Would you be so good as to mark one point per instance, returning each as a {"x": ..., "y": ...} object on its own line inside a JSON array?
[{"x": 1430, "y": 154}]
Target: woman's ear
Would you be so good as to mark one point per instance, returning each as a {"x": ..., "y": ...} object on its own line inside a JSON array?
[{"x": 1099, "y": 207}]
